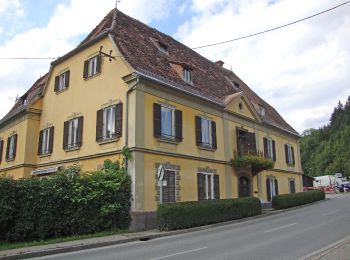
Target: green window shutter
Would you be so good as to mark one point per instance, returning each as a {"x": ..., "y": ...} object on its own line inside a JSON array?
[
  {"x": 201, "y": 186},
  {"x": 15, "y": 146},
  {"x": 1, "y": 149},
  {"x": 56, "y": 83},
  {"x": 99, "y": 125},
  {"x": 99, "y": 63},
  {"x": 293, "y": 158},
  {"x": 67, "y": 78},
  {"x": 65, "y": 134},
  {"x": 213, "y": 135},
  {"x": 40, "y": 142},
  {"x": 8, "y": 148},
  {"x": 198, "y": 124},
  {"x": 274, "y": 149},
  {"x": 156, "y": 120},
  {"x": 171, "y": 186},
  {"x": 178, "y": 125},
  {"x": 86, "y": 69},
  {"x": 80, "y": 130},
  {"x": 268, "y": 189},
  {"x": 52, "y": 133},
  {"x": 265, "y": 147},
  {"x": 276, "y": 186},
  {"x": 216, "y": 186},
  {"x": 119, "y": 120},
  {"x": 286, "y": 153}
]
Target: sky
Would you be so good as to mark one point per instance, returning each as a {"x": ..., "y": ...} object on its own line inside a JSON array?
[{"x": 302, "y": 70}]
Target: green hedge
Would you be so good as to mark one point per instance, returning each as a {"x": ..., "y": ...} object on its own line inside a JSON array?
[
  {"x": 197, "y": 213},
  {"x": 292, "y": 200},
  {"x": 67, "y": 204}
]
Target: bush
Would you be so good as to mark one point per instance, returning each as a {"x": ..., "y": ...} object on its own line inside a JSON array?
[
  {"x": 197, "y": 213},
  {"x": 69, "y": 203},
  {"x": 292, "y": 200}
]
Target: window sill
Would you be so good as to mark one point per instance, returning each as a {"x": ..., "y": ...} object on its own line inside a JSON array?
[
  {"x": 207, "y": 148},
  {"x": 70, "y": 149},
  {"x": 93, "y": 76},
  {"x": 168, "y": 140},
  {"x": 44, "y": 155},
  {"x": 107, "y": 141},
  {"x": 290, "y": 165},
  {"x": 60, "y": 91},
  {"x": 10, "y": 160}
]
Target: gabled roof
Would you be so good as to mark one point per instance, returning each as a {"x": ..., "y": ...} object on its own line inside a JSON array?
[{"x": 27, "y": 99}]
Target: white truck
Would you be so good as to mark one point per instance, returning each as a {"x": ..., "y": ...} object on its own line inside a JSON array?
[{"x": 331, "y": 183}]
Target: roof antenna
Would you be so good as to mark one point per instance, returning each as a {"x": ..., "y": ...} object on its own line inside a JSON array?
[{"x": 116, "y": 4}]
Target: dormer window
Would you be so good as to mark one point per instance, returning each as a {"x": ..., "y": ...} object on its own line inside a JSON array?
[
  {"x": 236, "y": 84},
  {"x": 162, "y": 47},
  {"x": 261, "y": 110},
  {"x": 187, "y": 75},
  {"x": 24, "y": 100}
]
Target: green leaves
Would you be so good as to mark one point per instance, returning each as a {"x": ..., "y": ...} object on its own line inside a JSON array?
[
  {"x": 257, "y": 163},
  {"x": 292, "y": 200}
]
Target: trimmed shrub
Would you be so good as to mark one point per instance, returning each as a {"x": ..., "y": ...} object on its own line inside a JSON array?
[
  {"x": 197, "y": 213},
  {"x": 69, "y": 203},
  {"x": 296, "y": 199}
]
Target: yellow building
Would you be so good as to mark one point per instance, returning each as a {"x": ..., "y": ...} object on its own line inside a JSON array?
[{"x": 130, "y": 85}]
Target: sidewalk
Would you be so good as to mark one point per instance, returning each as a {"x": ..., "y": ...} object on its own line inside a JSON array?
[{"x": 339, "y": 250}]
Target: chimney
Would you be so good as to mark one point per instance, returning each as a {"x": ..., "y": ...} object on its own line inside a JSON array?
[{"x": 220, "y": 63}]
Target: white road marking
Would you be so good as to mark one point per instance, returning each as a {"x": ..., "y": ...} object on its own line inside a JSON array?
[
  {"x": 330, "y": 212},
  {"x": 281, "y": 227},
  {"x": 180, "y": 253}
]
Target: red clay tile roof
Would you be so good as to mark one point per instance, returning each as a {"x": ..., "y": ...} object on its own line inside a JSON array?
[{"x": 31, "y": 95}]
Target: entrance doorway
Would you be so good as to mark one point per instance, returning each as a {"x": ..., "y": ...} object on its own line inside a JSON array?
[
  {"x": 271, "y": 188},
  {"x": 243, "y": 187}
]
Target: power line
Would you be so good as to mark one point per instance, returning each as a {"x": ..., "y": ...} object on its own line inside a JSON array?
[
  {"x": 27, "y": 58},
  {"x": 272, "y": 29}
]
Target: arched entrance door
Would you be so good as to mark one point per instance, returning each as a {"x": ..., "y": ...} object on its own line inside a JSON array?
[{"x": 243, "y": 187}]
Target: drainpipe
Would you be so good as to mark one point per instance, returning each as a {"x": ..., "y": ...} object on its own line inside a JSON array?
[{"x": 127, "y": 117}]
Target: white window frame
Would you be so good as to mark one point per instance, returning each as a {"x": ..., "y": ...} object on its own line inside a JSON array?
[
  {"x": 269, "y": 148},
  {"x": 290, "y": 155},
  {"x": 92, "y": 66},
  {"x": 109, "y": 122},
  {"x": 272, "y": 187},
  {"x": 11, "y": 154},
  {"x": 45, "y": 141},
  {"x": 167, "y": 128},
  {"x": 207, "y": 138},
  {"x": 211, "y": 195},
  {"x": 187, "y": 75},
  {"x": 62, "y": 81},
  {"x": 73, "y": 133}
]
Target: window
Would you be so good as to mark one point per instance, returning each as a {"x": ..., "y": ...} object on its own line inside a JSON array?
[
  {"x": 168, "y": 187},
  {"x": 73, "y": 132},
  {"x": 289, "y": 153},
  {"x": 1, "y": 149},
  {"x": 109, "y": 122},
  {"x": 269, "y": 149},
  {"x": 162, "y": 47},
  {"x": 271, "y": 187},
  {"x": 62, "y": 81},
  {"x": 167, "y": 122},
  {"x": 261, "y": 110},
  {"x": 291, "y": 186},
  {"x": 208, "y": 186},
  {"x": 11, "y": 147},
  {"x": 92, "y": 66},
  {"x": 187, "y": 75},
  {"x": 46, "y": 141},
  {"x": 205, "y": 132}
]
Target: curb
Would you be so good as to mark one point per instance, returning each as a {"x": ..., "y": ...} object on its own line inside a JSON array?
[{"x": 72, "y": 248}]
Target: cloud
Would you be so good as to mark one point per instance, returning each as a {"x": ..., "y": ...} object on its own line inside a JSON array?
[
  {"x": 6, "y": 5},
  {"x": 301, "y": 70}
]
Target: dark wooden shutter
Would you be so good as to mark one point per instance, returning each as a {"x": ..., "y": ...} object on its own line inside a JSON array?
[
  {"x": 286, "y": 153},
  {"x": 65, "y": 134},
  {"x": 198, "y": 124},
  {"x": 268, "y": 189},
  {"x": 213, "y": 135},
  {"x": 40, "y": 144},
  {"x": 8, "y": 148},
  {"x": 178, "y": 125},
  {"x": 292, "y": 186},
  {"x": 157, "y": 120},
  {"x": 57, "y": 79},
  {"x": 201, "y": 186},
  {"x": 99, "y": 125},
  {"x": 274, "y": 149},
  {"x": 86, "y": 69},
  {"x": 251, "y": 143},
  {"x": 15, "y": 146},
  {"x": 216, "y": 186},
  {"x": 265, "y": 147},
  {"x": 293, "y": 158},
  {"x": 98, "y": 65},
  {"x": 171, "y": 186},
  {"x": 276, "y": 186},
  {"x": 119, "y": 120},
  {"x": 67, "y": 78},
  {"x": 80, "y": 130},
  {"x": 1, "y": 149},
  {"x": 52, "y": 133}
]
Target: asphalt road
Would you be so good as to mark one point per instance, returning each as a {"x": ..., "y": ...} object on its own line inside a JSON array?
[{"x": 289, "y": 235}]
